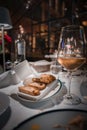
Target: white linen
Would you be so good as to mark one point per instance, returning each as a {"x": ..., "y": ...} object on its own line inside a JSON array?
[
  {"x": 12, "y": 77},
  {"x": 23, "y": 69},
  {"x": 4, "y": 79}
]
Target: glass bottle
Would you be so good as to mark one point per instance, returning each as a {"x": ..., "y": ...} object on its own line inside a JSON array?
[{"x": 20, "y": 49}]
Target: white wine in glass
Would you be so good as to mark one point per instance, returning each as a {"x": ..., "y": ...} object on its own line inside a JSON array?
[{"x": 72, "y": 54}]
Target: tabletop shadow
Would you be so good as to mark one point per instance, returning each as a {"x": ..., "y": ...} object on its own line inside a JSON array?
[
  {"x": 27, "y": 103},
  {"x": 83, "y": 88},
  {"x": 5, "y": 117}
]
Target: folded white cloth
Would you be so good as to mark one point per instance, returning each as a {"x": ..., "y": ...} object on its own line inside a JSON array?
[
  {"x": 23, "y": 69},
  {"x": 4, "y": 79},
  {"x": 9, "y": 78},
  {"x": 12, "y": 77}
]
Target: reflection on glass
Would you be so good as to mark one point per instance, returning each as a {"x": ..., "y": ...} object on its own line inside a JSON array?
[{"x": 71, "y": 54}]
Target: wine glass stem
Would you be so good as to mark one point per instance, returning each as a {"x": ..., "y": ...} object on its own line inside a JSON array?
[{"x": 69, "y": 96}]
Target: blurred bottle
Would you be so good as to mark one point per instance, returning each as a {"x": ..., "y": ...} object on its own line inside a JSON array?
[{"x": 20, "y": 49}]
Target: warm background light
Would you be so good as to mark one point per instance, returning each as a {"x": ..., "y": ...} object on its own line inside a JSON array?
[{"x": 84, "y": 23}]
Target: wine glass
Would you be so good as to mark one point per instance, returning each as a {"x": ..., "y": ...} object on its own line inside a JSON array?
[{"x": 71, "y": 55}]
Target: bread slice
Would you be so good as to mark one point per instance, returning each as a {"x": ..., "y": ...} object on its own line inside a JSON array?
[
  {"x": 37, "y": 85},
  {"x": 29, "y": 90},
  {"x": 36, "y": 79},
  {"x": 47, "y": 78}
]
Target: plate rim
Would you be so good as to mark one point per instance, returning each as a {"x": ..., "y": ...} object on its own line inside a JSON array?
[
  {"x": 38, "y": 101},
  {"x": 6, "y": 102},
  {"x": 47, "y": 112}
]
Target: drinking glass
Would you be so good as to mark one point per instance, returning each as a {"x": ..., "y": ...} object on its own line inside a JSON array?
[{"x": 72, "y": 55}]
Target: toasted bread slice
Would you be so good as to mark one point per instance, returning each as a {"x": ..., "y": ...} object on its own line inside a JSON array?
[
  {"x": 37, "y": 85},
  {"x": 47, "y": 78},
  {"x": 29, "y": 90},
  {"x": 36, "y": 79}
]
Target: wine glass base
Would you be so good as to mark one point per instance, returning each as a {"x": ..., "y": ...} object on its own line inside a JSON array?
[{"x": 72, "y": 99}]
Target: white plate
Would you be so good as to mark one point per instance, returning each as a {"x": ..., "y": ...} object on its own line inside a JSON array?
[
  {"x": 26, "y": 97},
  {"x": 51, "y": 119},
  {"x": 4, "y": 102}
]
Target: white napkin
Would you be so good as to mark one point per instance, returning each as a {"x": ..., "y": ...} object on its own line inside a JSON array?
[
  {"x": 12, "y": 77},
  {"x": 4, "y": 79},
  {"x": 9, "y": 78},
  {"x": 23, "y": 69}
]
